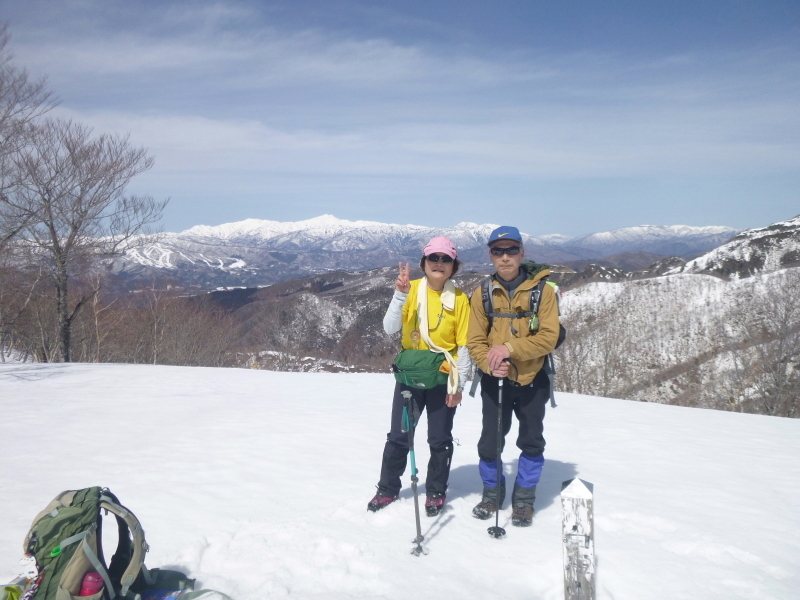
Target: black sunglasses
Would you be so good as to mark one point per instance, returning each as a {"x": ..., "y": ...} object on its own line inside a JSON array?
[
  {"x": 437, "y": 257},
  {"x": 511, "y": 251}
]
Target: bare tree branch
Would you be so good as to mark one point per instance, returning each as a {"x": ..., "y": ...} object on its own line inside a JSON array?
[
  {"x": 71, "y": 197},
  {"x": 22, "y": 100}
]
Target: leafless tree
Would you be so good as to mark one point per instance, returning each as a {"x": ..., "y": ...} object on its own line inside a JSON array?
[
  {"x": 71, "y": 194},
  {"x": 101, "y": 309},
  {"x": 33, "y": 332},
  {"x": 765, "y": 366},
  {"x": 18, "y": 289},
  {"x": 22, "y": 100},
  {"x": 595, "y": 356},
  {"x": 574, "y": 357}
]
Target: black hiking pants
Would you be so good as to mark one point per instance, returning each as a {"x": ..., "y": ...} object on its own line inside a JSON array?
[
  {"x": 440, "y": 440},
  {"x": 526, "y": 402}
]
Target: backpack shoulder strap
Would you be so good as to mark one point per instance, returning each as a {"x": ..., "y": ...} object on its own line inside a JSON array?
[
  {"x": 486, "y": 297},
  {"x": 139, "y": 548},
  {"x": 549, "y": 365},
  {"x": 486, "y": 293},
  {"x": 485, "y": 290},
  {"x": 486, "y": 300},
  {"x": 89, "y": 551},
  {"x": 536, "y": 295}
]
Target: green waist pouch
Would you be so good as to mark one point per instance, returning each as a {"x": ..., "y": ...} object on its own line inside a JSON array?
[{"x": 419, "y": 369}]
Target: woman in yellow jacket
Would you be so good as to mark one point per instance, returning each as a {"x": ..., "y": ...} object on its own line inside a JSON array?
[{"x": 433, "y": 315}]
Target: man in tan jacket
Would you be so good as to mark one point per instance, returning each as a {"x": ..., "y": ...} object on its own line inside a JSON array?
[{"x": 512, "y": 345}]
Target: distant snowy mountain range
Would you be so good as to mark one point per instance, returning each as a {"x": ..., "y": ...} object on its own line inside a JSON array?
[
  {"x": 749, "y": 253},
  {"x": 673, "y": 240},
  {"x": 256, "y": 252}
]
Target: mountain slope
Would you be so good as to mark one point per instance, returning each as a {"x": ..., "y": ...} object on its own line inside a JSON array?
[
  {"x": 652, "y": 334},
  {"x": 752, "y": 251}
]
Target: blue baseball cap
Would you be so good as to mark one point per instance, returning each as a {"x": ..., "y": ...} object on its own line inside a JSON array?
[{"x": 505, "y": 232}]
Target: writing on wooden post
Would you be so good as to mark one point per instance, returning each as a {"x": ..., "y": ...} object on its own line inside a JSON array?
[{"x": 577, "y": 525}]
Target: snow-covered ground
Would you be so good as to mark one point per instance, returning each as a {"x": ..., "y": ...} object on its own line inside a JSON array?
[{"x": 257, "y": 482}]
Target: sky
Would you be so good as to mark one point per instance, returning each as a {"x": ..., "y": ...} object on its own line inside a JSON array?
[
  {"x": 566, "y": 117},
  {"x": 264, "y": 495}
]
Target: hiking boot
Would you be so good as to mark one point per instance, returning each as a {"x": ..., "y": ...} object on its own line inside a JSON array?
[
  {"x": 380, "y": 501},
  {"x": 484, "y": 510},
  {"x": 522, "y": 515},
  {"x": 434, "y": 504}
]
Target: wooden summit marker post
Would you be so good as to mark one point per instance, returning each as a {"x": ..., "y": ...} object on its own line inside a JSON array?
[{"x": 577, "y": 524}]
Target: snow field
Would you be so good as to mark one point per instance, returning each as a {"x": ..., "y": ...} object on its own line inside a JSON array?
[{"x": 256, "y": 483}]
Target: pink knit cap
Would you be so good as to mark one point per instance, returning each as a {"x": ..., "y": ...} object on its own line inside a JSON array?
[{"x": 441, "y": 244}]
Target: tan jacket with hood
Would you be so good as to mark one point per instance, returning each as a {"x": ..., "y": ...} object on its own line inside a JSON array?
[{"x": 527, "y": 349}]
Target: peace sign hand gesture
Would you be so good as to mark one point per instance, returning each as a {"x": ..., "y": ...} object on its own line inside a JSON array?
[{"x": 403, "y": 282}]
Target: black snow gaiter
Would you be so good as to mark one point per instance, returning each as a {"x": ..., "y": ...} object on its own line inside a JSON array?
[{"x": 511, "y": 286}]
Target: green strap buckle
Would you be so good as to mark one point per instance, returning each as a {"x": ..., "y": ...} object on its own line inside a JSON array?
[{"x": 55, "y": 552}]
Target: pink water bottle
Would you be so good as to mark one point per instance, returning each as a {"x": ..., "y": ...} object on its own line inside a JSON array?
[{"x": 92, "y": 583}]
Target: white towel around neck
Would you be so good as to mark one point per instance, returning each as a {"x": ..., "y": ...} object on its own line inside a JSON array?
[{"x": 448, "y": 299}]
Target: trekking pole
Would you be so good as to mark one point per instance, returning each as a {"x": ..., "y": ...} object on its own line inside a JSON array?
[
  {"x": 409, "y": 424},
  {"x": 497, "y": 532}
]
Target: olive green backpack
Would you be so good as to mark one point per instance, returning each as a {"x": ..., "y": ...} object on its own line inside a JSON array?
[{"x": 65, "y": 540}]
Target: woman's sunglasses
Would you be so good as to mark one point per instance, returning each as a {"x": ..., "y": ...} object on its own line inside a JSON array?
[
  {"x": 512, "y": 251},
  {"x": 437, "y": 257}
]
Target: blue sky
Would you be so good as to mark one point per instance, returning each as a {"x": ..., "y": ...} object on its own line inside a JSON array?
[{"x": 560, "y": 117}]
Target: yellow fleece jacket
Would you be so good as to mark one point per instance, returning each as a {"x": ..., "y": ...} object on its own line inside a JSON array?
[{"x": 446, "y": 328}]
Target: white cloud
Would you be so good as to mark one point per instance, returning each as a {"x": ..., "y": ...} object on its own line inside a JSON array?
[
  {"x": 270, "y": 58},
  {"x": 554, "y": 145},
  {"x": 228, "y": 104}
]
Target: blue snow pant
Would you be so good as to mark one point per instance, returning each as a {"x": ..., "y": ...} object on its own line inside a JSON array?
[
  {"x": 528, "y": 404},
  {"x": 440, "y": 439}
]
